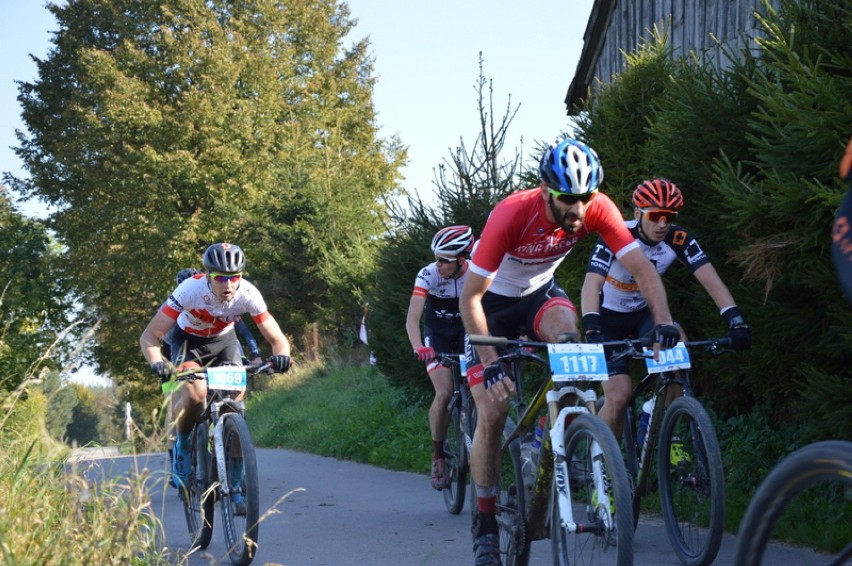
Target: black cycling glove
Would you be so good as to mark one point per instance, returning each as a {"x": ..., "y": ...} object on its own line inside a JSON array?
[
  {"x": 493, "y": 374},
  {"x": 667, "y": 335},
  {"x": 163, "y": 370},
  {"x": 281, "y": 363},
  {"x": 740, "y": 337},
  {"x": 739, "y": 332}
]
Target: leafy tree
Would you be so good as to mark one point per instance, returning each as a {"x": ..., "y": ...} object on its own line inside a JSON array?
[
  {"x": 159, "y": 127},
  {"x": 83, "y": 427},
  {"x": 61, "y": 403},
  {"x": 33, "y": 304},
  {"x": 467, "y": 184}
]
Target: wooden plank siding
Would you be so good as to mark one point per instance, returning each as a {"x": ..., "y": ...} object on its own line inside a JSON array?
[{"x": 694, "y": 26}]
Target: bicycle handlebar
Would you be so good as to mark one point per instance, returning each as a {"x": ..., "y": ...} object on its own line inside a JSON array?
[
  {"x": 715, "y": 345},
  {"x": 200, "y": 373}
]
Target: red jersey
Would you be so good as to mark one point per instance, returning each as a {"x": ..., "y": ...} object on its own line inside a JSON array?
[{"x": 520, "y": 248}]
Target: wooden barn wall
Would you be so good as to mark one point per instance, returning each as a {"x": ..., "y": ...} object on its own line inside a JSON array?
[{"x": 692, "y": 25}]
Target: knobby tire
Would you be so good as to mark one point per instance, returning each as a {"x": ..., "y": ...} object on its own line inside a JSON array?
[
  {"x": 240, "y": 531},
  {"x": 692, "y": 489},
  {"x": 820, "y": 462},
  {"x": 455, "y": 458},
  {"x": 511, "y": 505},
  {"x": 597, "y": 545},
  {"x": 198, "y": 497}
]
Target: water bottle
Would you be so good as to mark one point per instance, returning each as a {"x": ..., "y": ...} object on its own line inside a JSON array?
[
  {"x": 647, "y": 409},
  {"x": 538, "y": 437}
]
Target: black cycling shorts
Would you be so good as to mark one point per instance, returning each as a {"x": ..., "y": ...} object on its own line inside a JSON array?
[
  {"x": 512, "y": 317},
  {"x": 621, "y": 326},
  {"x": 444, "y": 338},
  {"x": 214, "y": 351}
]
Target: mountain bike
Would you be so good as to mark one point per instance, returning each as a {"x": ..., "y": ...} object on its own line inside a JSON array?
[
  {"x": 459, "y": 438},
  {"x": 223, "y": 461},
  {"x": 823, "y": 465},
  {"x": 679, "y": 432},
  {"x": 576, "y": 492}
]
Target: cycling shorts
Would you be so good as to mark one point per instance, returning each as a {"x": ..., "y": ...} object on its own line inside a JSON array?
[
  {"x": 444, "y": 339},
  {"x": 621, "y": 326},
  {"x": 515, "y": 316},
  {"x": 213, "y": 351}
]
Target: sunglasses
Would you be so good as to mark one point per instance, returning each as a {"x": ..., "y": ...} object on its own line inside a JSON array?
[
  {"x": 444, "y": 260},
  {"x": 569, "y": 199},
  {"x": 657, "y": 215},
  {"x": 224, "y": 278}
]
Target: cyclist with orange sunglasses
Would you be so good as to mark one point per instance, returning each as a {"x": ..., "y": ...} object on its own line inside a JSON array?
[
  {"x": 612, "y": 303},
  {"x": 202, "y": 311}
]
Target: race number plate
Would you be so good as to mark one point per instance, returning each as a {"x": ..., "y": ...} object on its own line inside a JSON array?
[
  {"x": 577, "y": 362},
  {"x": 671, "y": 359},
  {"x": 228, "y": 378}
]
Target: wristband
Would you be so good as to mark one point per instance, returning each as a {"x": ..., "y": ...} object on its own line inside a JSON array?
[
  {"x": 591, "y": 322},
  {"x": 734, "y": 317}
]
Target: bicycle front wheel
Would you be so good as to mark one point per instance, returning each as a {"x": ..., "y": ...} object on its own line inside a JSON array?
[
  {"x": 198, "y": 497},
  {"x": 241, "y": 507},
  {"x": 822, "y": 465},
  {"x": 455, "y": 459},
  {"x": 600, "y": 530},
  {"x": 692, "y": 488}
]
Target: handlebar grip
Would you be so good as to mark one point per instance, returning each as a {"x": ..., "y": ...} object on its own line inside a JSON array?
[{"x": 483, "y": 340}]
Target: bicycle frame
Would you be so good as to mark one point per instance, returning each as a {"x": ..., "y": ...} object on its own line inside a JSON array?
[
  {"x": 562, "y": 404},
  {"x": 680, "y": 435}
]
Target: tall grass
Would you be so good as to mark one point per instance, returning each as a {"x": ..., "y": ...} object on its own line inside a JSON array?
[
  {"x": 343, "y": 411},
  {"x": 51, "y": 513}
]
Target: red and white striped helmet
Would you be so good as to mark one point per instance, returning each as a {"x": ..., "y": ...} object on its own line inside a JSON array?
[{"x": 453, "y": 241}]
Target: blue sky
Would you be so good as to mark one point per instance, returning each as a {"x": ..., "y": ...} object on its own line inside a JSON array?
[{"x": 426, "y": 62}]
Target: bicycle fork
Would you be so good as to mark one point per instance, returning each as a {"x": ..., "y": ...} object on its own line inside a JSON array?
[{"x": 560, "y": 463}]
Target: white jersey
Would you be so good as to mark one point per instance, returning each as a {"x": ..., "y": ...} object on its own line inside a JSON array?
[
  {"x": 442, "y": 295},
  {"x": 620, "y": 290},
  {"x": 200, "y": 313}
]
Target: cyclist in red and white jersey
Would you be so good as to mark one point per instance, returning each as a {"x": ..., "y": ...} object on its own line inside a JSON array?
[
  {"x": 202, "y": 311},
  {"x": 510, "y": 289},
  {"x": 436, "y": 292},
  {"x": 613, "y": 305}
]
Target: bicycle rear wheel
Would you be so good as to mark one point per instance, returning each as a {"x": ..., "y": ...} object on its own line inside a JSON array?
[
  {"x": 240, "y": 529},
  {"x": 604, "y": 533},
  {"x": 826, "y": 464},
  {"x": 198, "y": 497},
  {"x": 692, "y": 489},
  {"x": 511, "y": 505},
  {"x": 455, "y": 459}
]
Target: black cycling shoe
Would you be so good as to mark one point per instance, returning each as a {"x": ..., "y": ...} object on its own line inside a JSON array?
[{"x": 486, "y": 550}]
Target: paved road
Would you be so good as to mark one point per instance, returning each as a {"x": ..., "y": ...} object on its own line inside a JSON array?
[{"x": 326, "y": 512}]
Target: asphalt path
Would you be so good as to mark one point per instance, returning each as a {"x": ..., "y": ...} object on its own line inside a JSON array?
[{"x": 325, "y": 512}]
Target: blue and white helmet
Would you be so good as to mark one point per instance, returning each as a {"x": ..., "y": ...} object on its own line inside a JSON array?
[{"x": 571, "y": 167}]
